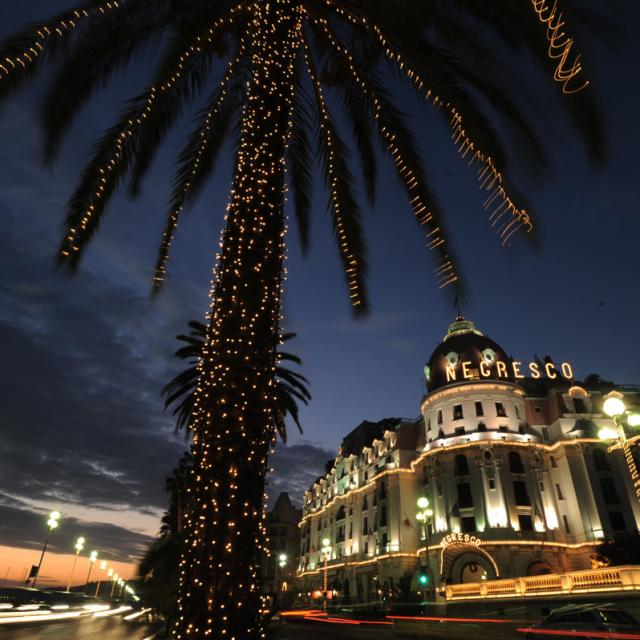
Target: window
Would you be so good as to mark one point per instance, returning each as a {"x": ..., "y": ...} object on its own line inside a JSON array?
[
  {"x": 526, "y": 523},
  {"x": 457, "y": 412},
  {"x": 600, "y": 460},
  {"x": 559, "y": 492},
  {"x": 439, "y": 416},
  {"x": 554, "y": 464},
  {"x": 515, "y": 462},
  {"x": 479, "y": 409},
  {"x": 365, "y": 505},
  {"x": 460, "y": 465},
  {"x": 609, "y": 491},
  {"x": 366, "y": 546},
  {"x": 538, "y": 409},
  {"x": 385, "y": 541},
  {"x": 579, "y": 405},
  {"x": 492, "y": 483},
  {"x": 365, "y": 526},
  {"x": 459, "y": 431},
  {"x": 520, "y": 493},
  {"x": 464, "y": 495},
  {"x": 340, "y": 514},
  {"x": 503, "y": 428},
  {"x": 482, "y": 426},
  {"x": 500, "y": 412},
  {"x": 383, "y": 516},
  {"x": 468, "y": 524},
  {"x": 541, "y": 486},
  {"x": 567, "y": 528},
  {"x": 617, "y": 521}
]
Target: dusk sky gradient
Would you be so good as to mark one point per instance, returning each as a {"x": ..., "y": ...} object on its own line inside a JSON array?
[{"x": 82, "y": 427}]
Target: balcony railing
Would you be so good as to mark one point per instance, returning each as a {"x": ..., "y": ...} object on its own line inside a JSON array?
[{"x": 625, "y": 578}]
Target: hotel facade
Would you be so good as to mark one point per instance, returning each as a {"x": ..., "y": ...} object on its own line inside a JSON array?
[{"x": 508, "y": 454}]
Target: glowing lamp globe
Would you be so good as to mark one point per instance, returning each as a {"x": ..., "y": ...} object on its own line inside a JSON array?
[
  {"x": 429, "y": 512},
  {"x": 282, "y": 557},
  {"x": 52, "y": 523},
  {"x": 420, "y": 516},
  {"x": 613, "y": 406},
  {"x": 634, "y": 420},
  {"x": 54, "y": 515},
  {"x": 423, "y": 503},
  {"x": 326, "y": 542},
  {"x": 607, "y": 433}
]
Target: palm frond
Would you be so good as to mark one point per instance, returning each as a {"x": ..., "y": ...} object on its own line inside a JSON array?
[
  {"x": 343, "y": 204},
  {"x": 107, "y": 45}
]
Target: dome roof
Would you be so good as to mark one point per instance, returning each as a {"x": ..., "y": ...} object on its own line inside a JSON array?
[{"x": 466, "y": 354}]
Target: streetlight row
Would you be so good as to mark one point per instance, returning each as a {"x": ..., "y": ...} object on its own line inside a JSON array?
[{"x": 52, "y": 523}]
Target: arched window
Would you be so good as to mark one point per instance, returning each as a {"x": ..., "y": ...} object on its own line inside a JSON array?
[
  {"x": 460, "y": 465},
  {"x": 340, "y": 514},
  {"x": 515, "y": 462},
  {"x": 600, "y": 460}
]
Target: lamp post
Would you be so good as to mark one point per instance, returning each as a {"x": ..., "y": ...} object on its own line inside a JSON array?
[
  {"x": 93, "y": 556},
  {"x": 615, "y": 408},
  {"x": 52, "y": 524},
  {"x": 326, "y": 552},
  {"x": 79, "y": 547},
  {"x": 103, "y": 567},
  {"x": 115, "y": 581},
  {"x": 424, "y": 516}
]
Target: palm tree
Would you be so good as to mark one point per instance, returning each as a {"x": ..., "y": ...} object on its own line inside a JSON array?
[
  {"x": 290, "y": 386},
  {"x": 285, "y": 61}
]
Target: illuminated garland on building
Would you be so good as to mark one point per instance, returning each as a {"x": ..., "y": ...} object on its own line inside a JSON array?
[{"x": 560, "y": 45}]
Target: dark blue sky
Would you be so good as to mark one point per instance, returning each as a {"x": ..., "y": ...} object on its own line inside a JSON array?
[{"x": 85, "y": 357}]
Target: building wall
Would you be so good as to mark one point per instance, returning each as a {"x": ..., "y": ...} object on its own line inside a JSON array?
[{"x": 529, "y": 479}]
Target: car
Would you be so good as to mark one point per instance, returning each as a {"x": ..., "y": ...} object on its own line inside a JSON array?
[{"x": 583, "y": 619}]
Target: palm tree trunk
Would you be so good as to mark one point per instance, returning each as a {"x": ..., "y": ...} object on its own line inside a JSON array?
[{"x": 219, "y": 594}]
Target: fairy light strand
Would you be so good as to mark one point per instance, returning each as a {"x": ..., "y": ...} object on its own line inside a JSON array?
[
  {"x": 58, "y": 29},
  {"x": 192, "y": 171},
  {"x": 233, "y": 405},
  {"x": 73, "y": 240},
  {"x": 560, "y": 46},
  {"x": 498, "y": 201},
  {"x": 352, "y": 268},
  {"x": 445, "y": 272}
]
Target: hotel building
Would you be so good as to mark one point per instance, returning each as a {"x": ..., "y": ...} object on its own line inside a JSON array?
[{"x": 509, "y": 456}]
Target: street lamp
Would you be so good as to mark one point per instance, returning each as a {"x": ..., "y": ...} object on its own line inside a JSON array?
[
  {"x": 615, "y": 408},
  {"x": 93, "y": 556},
  {"x": 79, "y": 547},
  {"x": 424, "y": 517},
  {"x": 115, "y": 581},
  {"x": 52, "y": 523},
  {"x": 326, "y": 552},
  {"x": 103, "y": 567},
  {"x": 282, "y": 562}
]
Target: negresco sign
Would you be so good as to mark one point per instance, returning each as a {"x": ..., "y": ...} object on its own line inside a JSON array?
[{"x": 513, "y": 369}]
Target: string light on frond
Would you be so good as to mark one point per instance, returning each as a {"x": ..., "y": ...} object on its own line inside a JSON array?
[
  {"x": 489, "y": 176},
  {"x": 203, "y": 134},
  {"x": 560, "y": 45},
  {"x": 58, "y": 29},
  {"x": 351, "y": 266},
  {"x": 445, "y": 272},
  {"x": 73, "y": 239}
]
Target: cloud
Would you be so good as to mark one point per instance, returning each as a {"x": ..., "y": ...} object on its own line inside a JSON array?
[{"x": 296, "y": 468}]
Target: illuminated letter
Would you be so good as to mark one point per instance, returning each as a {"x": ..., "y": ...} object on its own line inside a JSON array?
[
  {"x": 535, "y": 370},
  {"x": 501, "y": 368},
  {"x": 567, "y": 371},
  {"x": 465, "y": 370},
  {"x": 485, "y": 372},
  {"x": 516, "y": 369},
  {"x": 451, "y": 373},
  {"x": 550, "y": 369}
]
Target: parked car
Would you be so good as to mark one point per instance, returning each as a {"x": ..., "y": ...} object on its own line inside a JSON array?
[{"x": 584, "y": 620}]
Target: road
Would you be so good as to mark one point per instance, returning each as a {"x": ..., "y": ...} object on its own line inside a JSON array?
[{"x": 80, "y": 629}]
